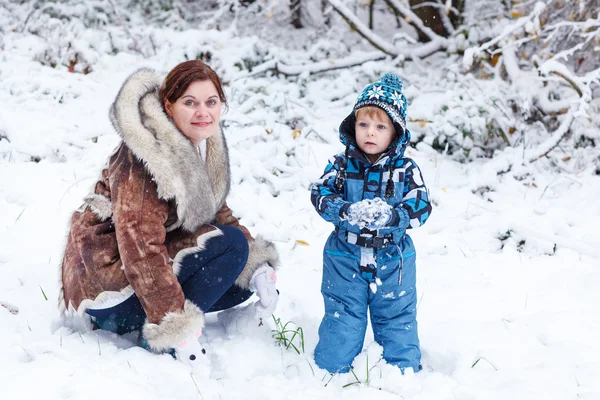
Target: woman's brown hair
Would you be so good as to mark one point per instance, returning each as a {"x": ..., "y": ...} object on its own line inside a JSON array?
[{"x": 184, "y": 74}]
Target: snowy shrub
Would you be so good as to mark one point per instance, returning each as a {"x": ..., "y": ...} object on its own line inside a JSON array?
[
  {"x": 548, "y": 59},
  {"x": 491, "y": 75}
]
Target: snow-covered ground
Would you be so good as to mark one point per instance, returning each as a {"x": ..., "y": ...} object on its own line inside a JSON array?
[{"x": 508, "y": 264}]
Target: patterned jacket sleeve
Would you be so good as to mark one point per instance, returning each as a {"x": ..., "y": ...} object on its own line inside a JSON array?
[
  {"x": 415, "y": 207},
  {"x": 328, "y": 202}
]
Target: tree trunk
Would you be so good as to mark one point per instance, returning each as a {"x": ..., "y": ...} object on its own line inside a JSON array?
[
  {"x": 457, "y": 19},
  {"x": 371, "y": 7},
  {"x": 327, "y": 20},
  {"x": 296, "y": 13},
  {"x": 430, "y": 17}
]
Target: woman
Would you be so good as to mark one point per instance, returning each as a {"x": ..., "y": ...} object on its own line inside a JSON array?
[{"x": 155, "y": 246}]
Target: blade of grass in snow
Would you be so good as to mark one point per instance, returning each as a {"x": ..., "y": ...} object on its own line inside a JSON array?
[
  {"x": 482, "y": 358},
  {"x": 45, "y": 297},
  {"x": 17, "y": 220}
]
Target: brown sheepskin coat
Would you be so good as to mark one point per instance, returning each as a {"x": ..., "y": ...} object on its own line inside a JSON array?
[{"x": 155, "y": 198}]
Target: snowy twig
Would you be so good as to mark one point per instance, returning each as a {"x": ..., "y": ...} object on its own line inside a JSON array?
[
  {"x": 329, "y": 65},
  {"x": 13, "y": 309},
  {"x": 195, "y": 384},
  {"x": 224, "y": 6},
  {"x": 585, "y": 94},
  {"x": 559, "y": 134},
  {"x": 446, "y": 7},
  {"x": 34, "y": 7},
  {"x": 121, "y": 20},
  {"x": 363, "y": 30},
  {"x": 317, "y": 134},
  {"x": 570, "y": 81},
  {"x": 577, "y": 245},
  {"x": 486, "y": 360},
  {"x": 437, "y": 42},
  {"x": 257, "y": 70},
  {"x": 592, "y": 76},
  {"x": 443, "y": 13},
  {"x": 313, "y": 68},
  {"x": 414, "y": 20},
  {"x": 554, "y": 67},
  {"x": 473, "y": 52},
  {"x": 584, "y": 26}
]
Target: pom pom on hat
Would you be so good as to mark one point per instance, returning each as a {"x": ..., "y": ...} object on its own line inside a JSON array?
[{"x": 391, "y": 80}]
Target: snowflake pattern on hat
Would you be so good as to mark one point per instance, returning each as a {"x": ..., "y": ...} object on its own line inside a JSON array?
[
  {"x": 397, "y": 99},
  {"x": 386, "y": 94},
  {"x": 375, "y": 92}
]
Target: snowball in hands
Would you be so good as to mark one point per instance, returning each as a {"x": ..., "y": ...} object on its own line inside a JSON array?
[
  {"x": 263, "y": 284},
  {"x": 373, "y": 214}
]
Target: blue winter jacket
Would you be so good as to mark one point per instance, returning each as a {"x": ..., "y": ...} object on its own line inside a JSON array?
[{"x": 366, "y": 180}]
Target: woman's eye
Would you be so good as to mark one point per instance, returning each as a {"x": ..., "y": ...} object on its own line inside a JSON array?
[
  {"x": 212, "y": 102},
  {"x": 189, "y": 103}
]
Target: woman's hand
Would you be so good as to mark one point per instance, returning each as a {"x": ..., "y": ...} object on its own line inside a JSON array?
[{"x": 263, "y": 284}]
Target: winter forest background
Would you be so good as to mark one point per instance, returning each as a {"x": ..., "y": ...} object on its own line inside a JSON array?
[{"x": 504, "y": 101}]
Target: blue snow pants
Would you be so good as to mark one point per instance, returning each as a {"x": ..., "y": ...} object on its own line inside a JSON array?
[
  {"x": 207, "y": 278},
  {"x": 389, "y": 294}
]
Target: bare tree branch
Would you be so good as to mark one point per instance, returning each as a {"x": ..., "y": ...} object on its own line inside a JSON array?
[
  {"x": 371, "y": 7},
  {"x": 414, "y": 20},
  {"x": 570, "y": 81},
  {"x": 406, "y": 52},
  {"x": 559, "y": 134},
  {"x": 318, "y": 67},
  {"x": 362, "y": 30},
  {"x": 509, "y": 30},
  {"x": 329, "y": 65},
  {"x": 554, "y": 67},
  {"x": 446, "y": 7},
  {"x": 443, "y": 13}
]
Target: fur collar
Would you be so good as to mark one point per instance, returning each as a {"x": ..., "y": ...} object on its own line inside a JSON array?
[{"x": 173, "y": 161}]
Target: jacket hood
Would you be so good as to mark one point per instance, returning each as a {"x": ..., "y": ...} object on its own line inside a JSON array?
[
  {"x": 347, "y": 135},
  {"x": 199, "y": 188}
]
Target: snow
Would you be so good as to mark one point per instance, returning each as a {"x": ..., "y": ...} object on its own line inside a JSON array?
[
  {"x": 367, "y": 212},
  {"x": 373, "y": 287},
  {"x": 508, "y": 263}
]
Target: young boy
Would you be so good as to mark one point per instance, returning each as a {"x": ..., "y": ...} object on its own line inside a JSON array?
[{"x": 372, "y": 194}]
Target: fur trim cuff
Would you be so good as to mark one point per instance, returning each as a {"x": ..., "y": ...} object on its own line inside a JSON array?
[
  {"x": 261, "y": 251},
  {"x": 100, "y": 205},
  {"x": 174, "y": 327}
]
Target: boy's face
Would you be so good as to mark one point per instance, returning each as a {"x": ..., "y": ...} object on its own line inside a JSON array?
[{"x": 374, "y": 132}]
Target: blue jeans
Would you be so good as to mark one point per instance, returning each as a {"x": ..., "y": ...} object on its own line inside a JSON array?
[{"x": 207, "y": 278}]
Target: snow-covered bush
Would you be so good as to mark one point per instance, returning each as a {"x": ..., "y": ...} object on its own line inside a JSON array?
[
  {"x": 548, "y": 60},
  {"x": 522, "y": 75}
]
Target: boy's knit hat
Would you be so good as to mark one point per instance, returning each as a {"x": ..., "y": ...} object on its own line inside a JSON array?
[{"x": 386, "y": 94}]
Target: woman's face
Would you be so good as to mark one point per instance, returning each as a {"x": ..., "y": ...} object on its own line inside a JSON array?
[{"x": 197, "y": 112}]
